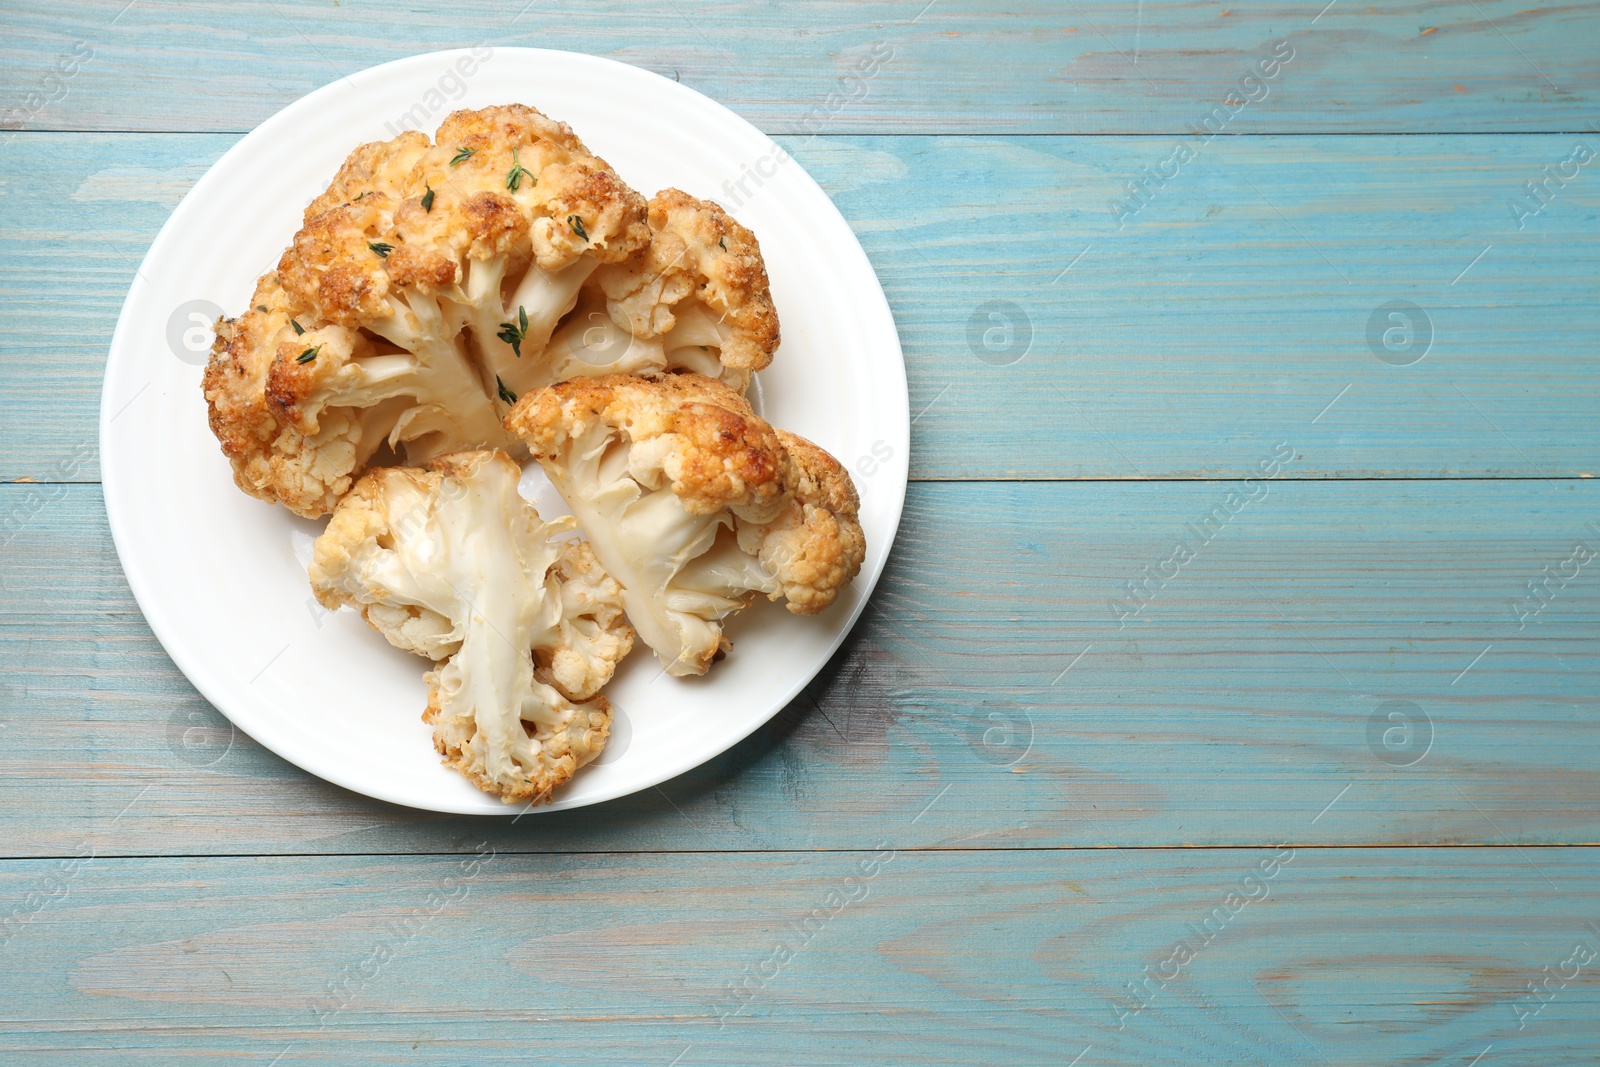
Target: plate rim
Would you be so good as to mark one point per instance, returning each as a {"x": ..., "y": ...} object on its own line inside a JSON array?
[{"x": 193, "y": 666}]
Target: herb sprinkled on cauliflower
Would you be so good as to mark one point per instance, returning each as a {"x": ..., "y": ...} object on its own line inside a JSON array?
[{"x": 428, "y": 275}]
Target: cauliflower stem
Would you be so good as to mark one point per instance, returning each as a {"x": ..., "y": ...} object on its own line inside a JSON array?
[{"x": 693, "y": 504}]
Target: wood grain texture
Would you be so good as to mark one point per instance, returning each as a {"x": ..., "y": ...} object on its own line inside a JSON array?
[
  {"x": 1090, "y": 66},
  {"x": 926, "y": 858},
  {"x": 1251, "y": 693},
  {"x": 1344, "y": 957},
  {"x": 1234, "y": 306}
]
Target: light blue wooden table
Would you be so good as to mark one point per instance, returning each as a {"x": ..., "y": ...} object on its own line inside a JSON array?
[{"x": 1267, "y": 281}]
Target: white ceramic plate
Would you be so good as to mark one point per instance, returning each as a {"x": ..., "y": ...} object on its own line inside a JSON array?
[{"x": 221, "y": 576}]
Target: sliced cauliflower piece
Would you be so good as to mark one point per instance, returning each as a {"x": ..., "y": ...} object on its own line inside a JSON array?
[
  {"x": 451, "y": 563},
  {"x": 694, "y": 504},
  {"x": 699, "y": 291},
  {"x": 432, "y": 275},
  {"x": 301, "y": 411}
]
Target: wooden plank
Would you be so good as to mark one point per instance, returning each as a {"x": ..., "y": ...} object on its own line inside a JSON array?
[
  {"x": 1095, "y": 66},
  {"x": 1234, "y": 307},
  {"x": 1248, "y": 702},
  {"x": 1346, "y": 957}
]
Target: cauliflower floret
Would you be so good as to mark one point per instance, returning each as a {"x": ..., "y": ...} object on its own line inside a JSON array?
[
  {"x": 381, "y": 166},
  {"x": 300, "y": 411},
  {"x": 593, "y": 636},
  {"x": 694, "y": 504},
  {"x": 451, "y": 563},
  {"x": 432, "y": 276},
  {"x": 696, "y": 298},
  {"x": 548, "y": 213}
]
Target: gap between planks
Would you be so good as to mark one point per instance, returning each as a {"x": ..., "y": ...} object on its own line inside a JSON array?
[{"x": 903, "y": 849}]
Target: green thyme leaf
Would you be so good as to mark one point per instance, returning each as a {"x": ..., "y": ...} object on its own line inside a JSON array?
[
  {"x": 721, "y": 245},
  {"x": 381, "y": 248},
  {"x": 505, "y": 394},
  {"x": 514, "y": 333},
  {"x": 298, "y": 329},
  {"x": 577, "y": 226},
  {"x": 517, "y": 173},
  {"x": 462, "y": 155},
  {"x": 427, "y": 199},
  {"x": 308, "y": 355}
]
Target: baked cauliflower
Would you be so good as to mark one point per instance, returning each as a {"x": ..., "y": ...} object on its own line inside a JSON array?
[
  {"x": 415, "y": 302},
  {"x": 696, "y": 298},
  {"x": 694, "y": 504},
  {"x": 453, "y": 564}
]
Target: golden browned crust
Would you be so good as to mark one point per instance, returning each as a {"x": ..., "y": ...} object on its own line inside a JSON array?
[
  {"x": 400, "y": 216},
  {"x": 234, "y": 377},
  {"x": 331, "y": 274},
  {"x": 735, "y": 276},
  {"x": 791, "y": 504},
  {"x": 719, "y": 453},
  {"x": 567, "y": 751},
  {"x": 698, "y": 250},
  {"x": 596, "y": 202},
  {"x": 561, "y": 180},
  {"x": 490, "y": 128},
  {"x": 249, "y": 382},
  {"x": 379, "y": 166},
  {"x": 823, "y": 480},
  {"x": 426, "y": 269},
  {"x": 819, "y": 540}
]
